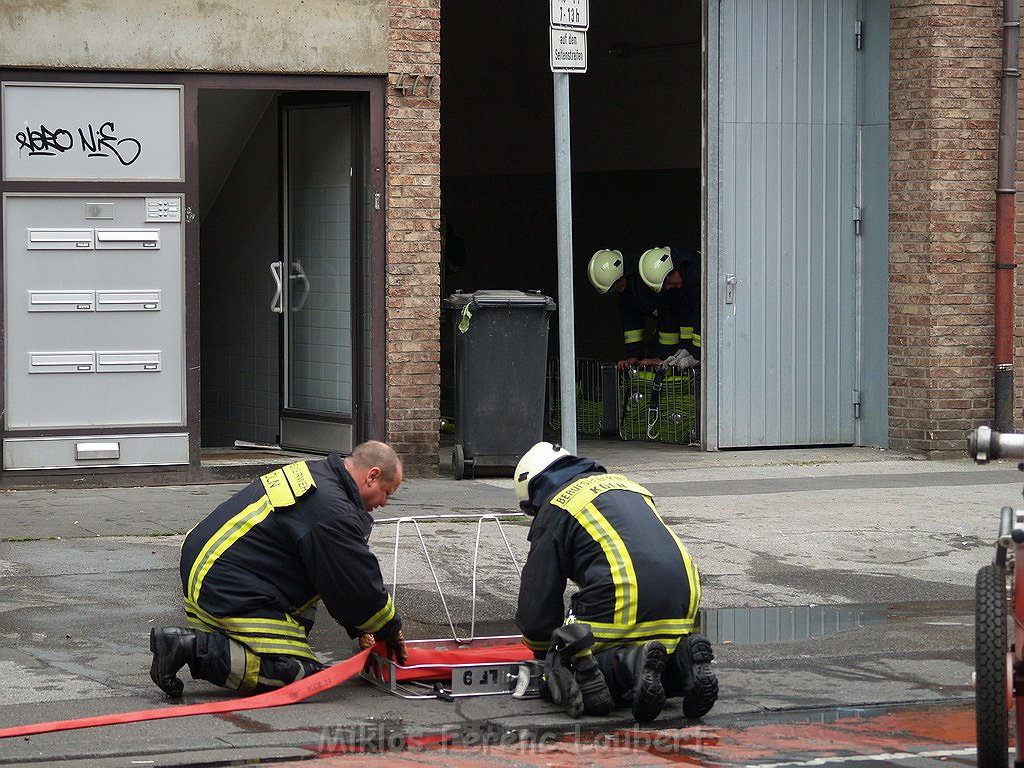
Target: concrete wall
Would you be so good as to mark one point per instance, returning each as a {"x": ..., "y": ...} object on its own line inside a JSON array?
[{"x": 190, "y": 35}]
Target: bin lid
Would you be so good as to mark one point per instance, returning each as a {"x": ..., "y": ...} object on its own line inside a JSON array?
[{"x": 502, "y": 298}]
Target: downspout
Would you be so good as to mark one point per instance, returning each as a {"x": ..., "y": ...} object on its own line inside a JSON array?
[{"x": 1005, "y": 191}]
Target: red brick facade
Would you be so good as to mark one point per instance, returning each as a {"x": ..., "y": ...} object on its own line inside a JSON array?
[
  {"x": 944, "y": 105},
  {"x": 413, "y": 203},
  {"x": 945, "y": 59}
]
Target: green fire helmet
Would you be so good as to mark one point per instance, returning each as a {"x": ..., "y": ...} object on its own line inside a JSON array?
[
  {"x": 604, "y": 269},
  {"x": 655, "y": 264}
]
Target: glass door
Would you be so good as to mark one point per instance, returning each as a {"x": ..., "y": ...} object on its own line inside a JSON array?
[{"x": 314, "y": 277}]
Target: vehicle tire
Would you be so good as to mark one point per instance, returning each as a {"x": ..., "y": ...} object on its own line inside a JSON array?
[
  {"x": 458, "y": 462},
  {"x": 990, "y": 666}
]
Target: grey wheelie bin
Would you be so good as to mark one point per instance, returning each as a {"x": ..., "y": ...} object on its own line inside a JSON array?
[{"x": 501, "y": 346}]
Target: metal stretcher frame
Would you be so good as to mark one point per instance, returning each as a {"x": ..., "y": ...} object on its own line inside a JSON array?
[
  {"x": 448, "y": 681},
  {"x": 499, "y": 678},
  {"x": 415, "y": 520}
]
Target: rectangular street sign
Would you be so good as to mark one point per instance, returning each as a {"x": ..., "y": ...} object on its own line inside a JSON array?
[
  {"x": 568, "y": 50},
  {"x": 570, "y": 14}
]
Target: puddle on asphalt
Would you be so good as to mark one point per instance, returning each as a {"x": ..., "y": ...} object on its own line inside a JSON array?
[
  {"x": 793, "y": 623},
  {"x": 764, "y": 624}
]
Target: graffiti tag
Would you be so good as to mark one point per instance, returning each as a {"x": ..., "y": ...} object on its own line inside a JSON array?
[{"x": 101, "y": 141}]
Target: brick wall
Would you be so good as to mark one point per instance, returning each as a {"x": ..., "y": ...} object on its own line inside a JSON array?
[
  {"x": 945, "y": 57},
  {"x": 412, "y": 160}
]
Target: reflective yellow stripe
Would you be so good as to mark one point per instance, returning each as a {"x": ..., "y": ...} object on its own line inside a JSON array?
[
  {"x": 692, "y": 574},
  {"x": 379, "y": 619},
  {"x": 685, "y": 332},
  {"x": 696, "y": 340},
  {"x": 667, "y": 339},
  {"x": 252, "y": 672},
  {"x": 285, "y": 627},
  {"x": 229, "y": 533},
  {"x": 632, "y": 337},
  {"x": 620, "y": 564},
  {"x": 577, "y": 499},
  {"x": 296, "y": 645},
  {"x": 668, "y": 631},
  {"x": 536, "y": 645}
]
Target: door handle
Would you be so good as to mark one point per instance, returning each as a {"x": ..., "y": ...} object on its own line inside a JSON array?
[
  {"x": 277, "y": 303},
  {"x": 300, "y": 274},
  {"x": 730, "y": 286}
]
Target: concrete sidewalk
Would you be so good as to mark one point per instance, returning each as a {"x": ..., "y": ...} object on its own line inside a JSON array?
[{"x": 832, "y": 578}]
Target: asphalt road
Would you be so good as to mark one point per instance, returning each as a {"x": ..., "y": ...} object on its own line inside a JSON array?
[{"x": 835, "y": 581}]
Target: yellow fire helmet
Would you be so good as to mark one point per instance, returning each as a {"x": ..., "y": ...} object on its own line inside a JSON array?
[
  {"x": 655, "y": 265},
  {"x": 604, "y": 269}
]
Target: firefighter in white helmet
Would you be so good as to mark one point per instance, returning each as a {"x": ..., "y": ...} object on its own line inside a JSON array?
[
  {"x": 673, "y": 273},
  {"x": 609, "y": 271},
  {"x": 634, "y": 618}
]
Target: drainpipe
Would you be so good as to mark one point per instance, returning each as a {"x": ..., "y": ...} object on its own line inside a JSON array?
[{"x": 1005, "y": 191}]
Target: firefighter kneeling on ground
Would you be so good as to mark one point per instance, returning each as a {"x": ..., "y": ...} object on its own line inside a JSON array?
[{"x": 630, "y": 638}]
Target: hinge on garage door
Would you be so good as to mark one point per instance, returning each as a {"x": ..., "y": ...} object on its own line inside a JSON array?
[
  {"x": 858, "y": 33},
  {"x": 856, "y": 219},
  {"x": 856, "y": 403}
]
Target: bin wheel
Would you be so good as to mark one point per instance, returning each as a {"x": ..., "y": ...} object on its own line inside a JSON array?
[
  {"x": 459, "y": 462},
  {"x": 992, "y": 680}
]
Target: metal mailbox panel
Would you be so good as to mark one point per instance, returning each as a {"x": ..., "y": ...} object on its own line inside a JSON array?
[
  {"x": 127, "y": 301},
  {"x": 123, "y": 275},
  {"x": 127, "y": 362},
  {"x": 47, "y": 239},
  {"x": 95, "y": 451},
  {"x": 61, "y": 301},
  {"x": 127, "y": 239},
  {"x": 61, "y": 362}
]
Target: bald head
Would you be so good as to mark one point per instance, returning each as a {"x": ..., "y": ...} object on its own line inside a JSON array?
[{"x": 377, "y": 471}]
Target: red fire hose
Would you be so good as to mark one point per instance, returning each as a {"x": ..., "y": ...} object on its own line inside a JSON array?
[{"x": 289, "y": 694}]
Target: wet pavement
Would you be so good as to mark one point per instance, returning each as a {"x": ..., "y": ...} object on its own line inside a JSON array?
[{"x": 838, "y": 588}]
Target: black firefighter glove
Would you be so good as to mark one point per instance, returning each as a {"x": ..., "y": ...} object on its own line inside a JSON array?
[{"x": 396, "y": 647}]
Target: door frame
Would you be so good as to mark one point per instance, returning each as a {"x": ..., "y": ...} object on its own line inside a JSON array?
[{"x": 368, "y": 96}]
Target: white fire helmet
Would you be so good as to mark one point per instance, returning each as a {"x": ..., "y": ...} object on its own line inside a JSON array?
[
  {"x": 604, "y": 269},
  {"x": 655, "y": 264},
  {"x": 534, "y": 461}
]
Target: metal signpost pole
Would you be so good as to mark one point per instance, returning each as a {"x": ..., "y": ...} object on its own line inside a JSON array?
[
  {"x": 563, "y": 217},
  {"x": 569, "y": 22}
]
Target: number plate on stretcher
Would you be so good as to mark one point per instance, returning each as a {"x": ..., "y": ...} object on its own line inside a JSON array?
[{"x": 484, "y": 678}]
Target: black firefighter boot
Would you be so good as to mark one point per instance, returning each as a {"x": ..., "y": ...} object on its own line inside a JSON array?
[
  {"x": 173, "y": 648},
  {"x": 634, "y": 672},
  {"x": 700, "y": 686},
  {"x": 573, "y": 643}
]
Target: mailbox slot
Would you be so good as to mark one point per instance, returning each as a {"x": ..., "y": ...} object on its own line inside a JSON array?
[
  {"x": 127, "y": 301},
  {"x": 128, "y": 239},
  {"x": 46, "y": 239},
  {"x": 128, "y": 362},
  {"x": 61, "y": 362},
  {"x": 97, "y": 451},
  {"x": 61, "y": 301}
]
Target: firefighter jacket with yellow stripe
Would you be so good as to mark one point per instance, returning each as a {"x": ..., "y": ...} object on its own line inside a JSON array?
[
  {"x": 637, "y": 303},
  {"x": 257, "y": 566},
  {"x": 636, "y": 580}
]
